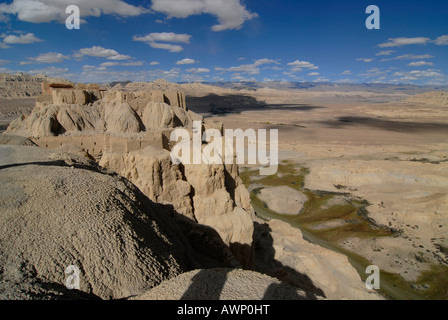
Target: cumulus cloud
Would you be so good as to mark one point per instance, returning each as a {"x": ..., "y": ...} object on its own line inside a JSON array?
[
  {"x": 166, "y": 46},
  {"x": 365, "y": 59},
  {"x": 159, "y": 40},
  {"x": 54, "y": 72},
  {"x": 385, "y": 53},
  {"x": 398, "y": 42},
  {"x": 231, "y": 14},
  {"x": 198, "y": 70},
  {"x": 313, "y": 74},
  {"x": 410, "y": 57},
  {"x": 260, "y": 62},
  {"x": 54, "y": 10},
  {"x": 434, "y": 74},
  {"x": 164, "y": 37},
  {"x": 442, "y": 41},
  {"x": 251, "y": 69},
  {"x": 113, "y": 64},
  {"x": 298, "y": 66},
  {"x": 420, "y": 64},
  {"x": 21, "y": 39},
  {"x": 100, "y": 52},
  {"x": 50, "y": 57},
  {"x": 186, "y": 61}
]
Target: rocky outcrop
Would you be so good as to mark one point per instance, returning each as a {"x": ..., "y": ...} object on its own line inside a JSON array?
[
  {"x": 69, "y": 111},
  {"x": 224, "y": 284},
  {"x": 283, "y": 199},
  {"x": 287, "y": 255},
  {"x": 211, "y": 195},
  {"x": 59, "y": 210},
  {"x": 23, "y": 85},
  {"x": 9, "y": 139}
]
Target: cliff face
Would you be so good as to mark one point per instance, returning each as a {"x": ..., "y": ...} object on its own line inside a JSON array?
[
  {"x": 211, "y": 195},
  {"x": 23, "y": 85},
  {"x": 128, "y": 132},
  {"x": 59, "y": 210}
]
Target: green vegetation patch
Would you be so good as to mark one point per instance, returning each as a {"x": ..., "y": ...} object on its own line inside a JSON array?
[{"x": 323, "y": 207}]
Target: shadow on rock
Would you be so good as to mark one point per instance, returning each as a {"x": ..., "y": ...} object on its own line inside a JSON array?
[{"x": 265, "y": 262}]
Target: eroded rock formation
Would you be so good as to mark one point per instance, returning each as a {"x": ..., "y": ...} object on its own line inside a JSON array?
[
  {"x": 59, "y": 210},
  {"x": 129, "y": 132}
]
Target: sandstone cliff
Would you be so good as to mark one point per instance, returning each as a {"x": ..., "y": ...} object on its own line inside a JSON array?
[
  {"x": 23, "y": 85},
  {"x": 128, "y": 132},
  {"x": 59, "y": 210}
]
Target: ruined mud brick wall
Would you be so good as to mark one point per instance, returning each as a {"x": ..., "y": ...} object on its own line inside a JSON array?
[{"x": 97, "y": 145}]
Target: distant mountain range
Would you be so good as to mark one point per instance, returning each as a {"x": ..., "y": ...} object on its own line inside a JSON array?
[
  {"x": 328, "y": 86},
  {"x": 24, "y": 85}
]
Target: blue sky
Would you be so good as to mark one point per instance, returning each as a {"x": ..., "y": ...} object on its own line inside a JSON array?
[{"x": 227, "y": 40}]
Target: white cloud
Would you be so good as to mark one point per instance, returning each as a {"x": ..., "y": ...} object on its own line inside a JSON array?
[
  {"x": 50, "y": 57},
  {"x": 3, "y": 61},
  {"x": 113, "y": 64},
  {"x": 321, "y": 79},
  {"x": 410, "y": 57},
  {"x": 385, "y": 53},
  {"x": 100, "y": 52},
  {"x": 430, "y": 74},
  {"x": 119, "y": 57},
  {"x": 398, "y": 42},
  {"x": 374, "y": 72},
  {"x": 198, "y": 70},
  {"x": 365, "y": 59},
  {"x": 260, "y": 62},
  {"x": 420, "y": 64},
  {"x": 231, "y": 14},
  {"x": 244, "y": 68},
  {"x": 54, "y": 10},
  {"x": 186, "y": 61},
  {"x": 164, "y": 37},
  {"x": 109, "y": 64},
  {"x": 154, "y": 40},
  {"x": 154, "y": 63},
  {"x": 166, "y": 46},
  {"x": 53, "y": 72},
  {"x": 313, "y": 74},
  {"x": 238, "y": 77},
  {"x": 347, "y": 72},
  {"x": 252, "y": 69},
  {"x": 21, "y": 39},
  {"x": 442, "y": 41},
  {"x": 298, "y": 66}
]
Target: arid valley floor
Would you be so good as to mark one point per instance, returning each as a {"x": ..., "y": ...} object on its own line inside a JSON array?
[{"x": 387, "y": 151}]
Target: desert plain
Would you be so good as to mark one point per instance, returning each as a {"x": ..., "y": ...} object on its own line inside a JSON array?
[{"x": 389, "y": 150}]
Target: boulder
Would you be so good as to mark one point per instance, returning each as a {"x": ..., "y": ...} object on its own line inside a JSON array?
[
  {"x": 287, "y": 255},
  {"x": 120, "y": 117},
  {"x": 283, "y": 199},
  {"x": 211, "y": 195},
  {"x": 59, "y": 210},
  {"x": 223, "y": 284}
]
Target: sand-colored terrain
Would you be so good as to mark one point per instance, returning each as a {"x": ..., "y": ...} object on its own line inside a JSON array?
[
  {"x": 393, "y": 155},
  {"x": 366, "y": 176}
]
